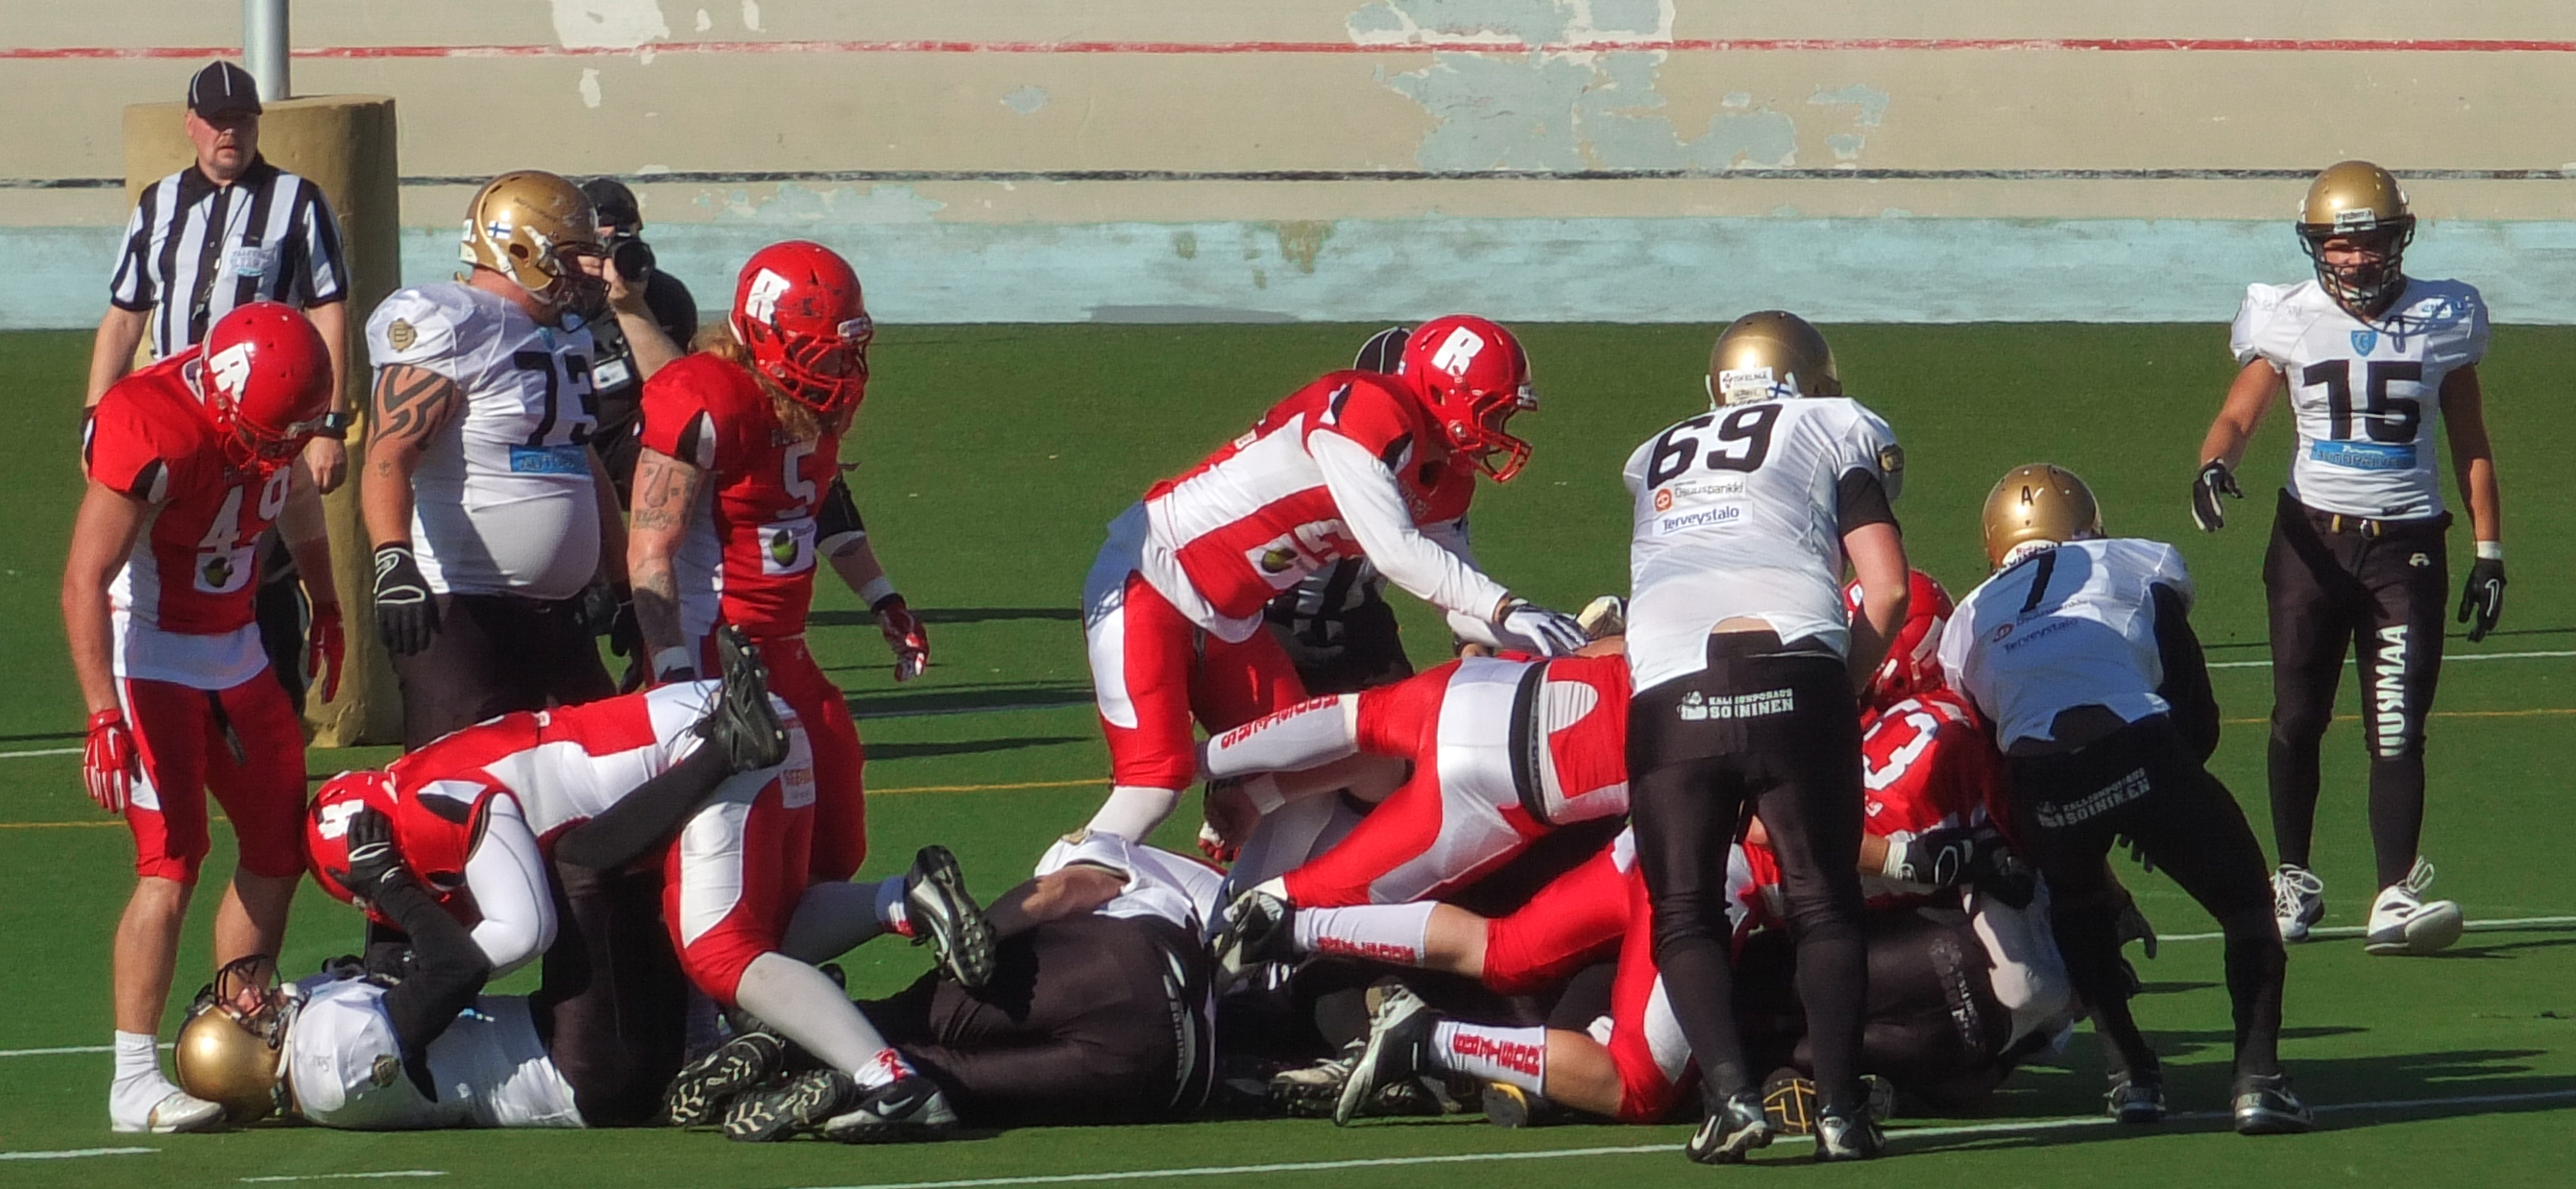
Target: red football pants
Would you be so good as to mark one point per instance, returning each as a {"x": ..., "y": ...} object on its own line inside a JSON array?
[
  {"x": 187, "y": 739},
  {"x": 1153, "y": 672}
]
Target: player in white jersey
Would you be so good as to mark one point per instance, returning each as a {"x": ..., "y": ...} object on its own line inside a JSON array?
[
  {"x": 2372, "y": 361},
  {"x": 490, "y": 512},
  {"x": 2080, "y": 651},
  {"x": 1745, "y": 662}
]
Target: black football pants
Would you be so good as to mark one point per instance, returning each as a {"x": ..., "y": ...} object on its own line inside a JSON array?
[
  {"x": 2144, "y": 783},
  {"x": 2378, "y": 588},
  {"x": 1776, "y": 733},
  {"x": 612, "y": 1005},
  {"x": 493, "y": 654}
]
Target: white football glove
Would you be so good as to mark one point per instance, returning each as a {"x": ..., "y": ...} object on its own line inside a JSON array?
[{"x": 1554, "y": 632}]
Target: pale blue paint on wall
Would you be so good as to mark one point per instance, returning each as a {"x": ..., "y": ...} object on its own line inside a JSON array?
[{"x": 1619, "y": 270}]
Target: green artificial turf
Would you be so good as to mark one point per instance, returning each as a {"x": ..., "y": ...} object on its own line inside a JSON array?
[{"x": 992, "y": 457}]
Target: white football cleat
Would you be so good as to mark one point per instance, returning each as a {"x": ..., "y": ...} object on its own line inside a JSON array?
[
  {"x": 2298, "y": 900},
  {"x": 177, "y": 1111},
  {"x": 2403, "y": 922}
]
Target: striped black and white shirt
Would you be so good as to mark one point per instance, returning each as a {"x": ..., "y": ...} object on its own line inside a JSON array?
[{"x": 194, "y": 250}]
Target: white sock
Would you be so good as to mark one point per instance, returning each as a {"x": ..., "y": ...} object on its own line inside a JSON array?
[
  {"x": 831, "y": 919},
  {"x": 1513, "y": 1056},
  {"x": 882, "y": 1070},
  {"x": 1395, "y": 933},
  {"x": 136, "y": 1057},
  {"x": 1309, "y": 733},
  {"x": 1133, "y": 810},
  {"x": 891, "y": 910},
  {"x": 804, "y": 1006}
]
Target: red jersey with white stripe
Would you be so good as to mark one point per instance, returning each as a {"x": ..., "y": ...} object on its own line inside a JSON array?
[
  {"x": 748, "y": 558},
  {"x": 1581, "y": 704},
  {"x": 1927, "y": 766},
  {"x": 563, "y": 767},
  {"x": 182, "y": 601},
  {"x": 1256, "y": 518}
]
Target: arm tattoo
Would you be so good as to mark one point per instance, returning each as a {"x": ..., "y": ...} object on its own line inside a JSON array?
[
  {"x": 665, "y": 488},
  {"x": 412, "y": 403}
]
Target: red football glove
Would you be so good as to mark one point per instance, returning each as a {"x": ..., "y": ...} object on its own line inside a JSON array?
[
  {"x": 326, "y": 650},
  {"x": 109, "y": 762},
  {"x": 905, "y": 634}
]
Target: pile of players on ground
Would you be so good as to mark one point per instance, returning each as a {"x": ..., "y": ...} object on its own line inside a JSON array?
[{"x": 1754, "y": 826}]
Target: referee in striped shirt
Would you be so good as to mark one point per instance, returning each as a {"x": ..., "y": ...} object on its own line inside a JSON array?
[{"x": 229, "y": 230}]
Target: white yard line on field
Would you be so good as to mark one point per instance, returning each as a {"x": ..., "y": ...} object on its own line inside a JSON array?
[
  {"x": 77, "y": 1153},
  {"x": 347, "y": 1176},
  {"x": 2446, "y": 659},
  {"x": 2358, "y": 930},
  {"x": 1897, "y": 1137}
]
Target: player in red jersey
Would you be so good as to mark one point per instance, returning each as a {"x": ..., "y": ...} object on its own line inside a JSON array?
[
  {"x": 187, "y": 465},
  {"x": 1502, "y": 752},
  {"x": 1356, "y": 464},
  {"x": 720, "y": 782},
  {"x": 736, "y": 499}
]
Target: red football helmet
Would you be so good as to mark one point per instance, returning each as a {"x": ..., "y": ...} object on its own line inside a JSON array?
[
  {"x": 1474, "y": 376},
  {"x": 326, "y": 826},
  {"x": 797, "y": 306},
  {"x": 266, "y": 378},
  {"x": 1912, "y": 665}
]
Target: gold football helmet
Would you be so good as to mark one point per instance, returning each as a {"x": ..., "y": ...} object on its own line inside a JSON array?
[
  {"x": 228, "y": 1050},
  {"x": 2358, "y": 201},
  {"x": 1769, "y": 354},
  {"x": 528, "y": 225},
  {"x": 2038, "y": 504}
]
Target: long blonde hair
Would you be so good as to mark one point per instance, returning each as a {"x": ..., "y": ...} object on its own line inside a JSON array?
[{"x": 800, "y": 422}]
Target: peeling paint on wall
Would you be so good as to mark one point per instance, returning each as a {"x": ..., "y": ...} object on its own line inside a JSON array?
[
  {"x": 1872, "y": 105},
  {"x": 1027, "y": 100},
  {"x": 589, "y": 87},
  {"x": 794, "y": 204},
  {"x": 1301, "y": 241},
  {"x": 1185, "y": 244},
  {"x": 609, "y": 24}
]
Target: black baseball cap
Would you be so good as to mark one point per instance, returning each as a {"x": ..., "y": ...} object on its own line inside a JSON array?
[
  {"x": 615, "y": 203},
  {"x": 221, "y": 88}
]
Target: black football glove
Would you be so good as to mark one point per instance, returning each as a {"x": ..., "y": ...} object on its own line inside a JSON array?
[
  {"x": 1937, "y": 858},
  {"x": 1996, "y": 871},
  {"x": 2214, "y": 481},
  {"x": 2483, "y": 601},
  {"x": 373, "y": 861},
  {"x": 406, "y": 613}
]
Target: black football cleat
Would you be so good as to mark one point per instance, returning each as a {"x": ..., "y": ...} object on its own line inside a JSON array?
[
  {"x": 1258, "y": 928},
  {"x": 743, "y": 722},
  {"x": 2136, "y": 1100},
  {"x": 945, "y": 918},
  {"x": 1731, "y": 1133},
  {"x": 2265, "y": 1105},
  {"x": 1399, "y": 1034},
  {"x": 1847, "y": 1137},
  {"x": 1507, "y": 1105},
  {"x": 907, "y": 1110},
  {"x": 781, "y": 1111},
  {"x": 707, "y": 1084}
]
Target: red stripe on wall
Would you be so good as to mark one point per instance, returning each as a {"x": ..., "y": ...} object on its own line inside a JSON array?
[{"x": 1730, "y": 45}]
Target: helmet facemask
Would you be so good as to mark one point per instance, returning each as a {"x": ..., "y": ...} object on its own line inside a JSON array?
[
  {"x": 1484, "y": 437},
  {"x": 2365, "y": 287},
  {"x": 825, "y": 373},
  {"x": 233, "y": 1058}
]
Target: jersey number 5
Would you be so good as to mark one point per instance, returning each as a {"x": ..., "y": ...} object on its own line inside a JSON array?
[
  {"x": 2390, "y": 418},
  {"x": 1748, "y": 428}
]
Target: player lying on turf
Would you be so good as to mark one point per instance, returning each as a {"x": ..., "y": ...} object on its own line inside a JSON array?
[
  {"x": 1500, "y": 751},
  {"x": 2080, "y": 650},
  {"x": 1356, "y": 464},
  {"x": 480, "y": 813},
  {"x": 1099, "y": 1009}
]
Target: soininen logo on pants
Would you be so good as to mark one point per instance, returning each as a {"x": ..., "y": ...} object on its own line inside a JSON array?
[
  {"x": 2101, "y": 801},
  {"x": 1694, "y": 708}
]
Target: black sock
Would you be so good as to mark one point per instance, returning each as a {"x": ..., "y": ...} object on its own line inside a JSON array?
[
  {"x": 1833, "y": 985},
  {"x": 2256, "y": 969},
  {"x": 643, "y": 818},
  {"x": 2292, "y": 767},
  {"x": 1703, "y": 1000},
  {"x": 2396, "y": 814}
]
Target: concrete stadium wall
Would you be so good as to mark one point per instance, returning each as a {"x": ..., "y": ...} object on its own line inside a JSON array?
[{"x": 1645, "y": 160}]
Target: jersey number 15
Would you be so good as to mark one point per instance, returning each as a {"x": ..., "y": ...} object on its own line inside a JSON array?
[{"x": 2387, "y": 418}]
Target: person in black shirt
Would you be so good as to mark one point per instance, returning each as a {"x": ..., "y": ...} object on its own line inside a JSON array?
[{"x": 618, "y": 374}]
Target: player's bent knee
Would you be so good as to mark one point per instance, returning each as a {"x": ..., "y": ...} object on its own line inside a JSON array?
[{"x": 715, "y": 964}]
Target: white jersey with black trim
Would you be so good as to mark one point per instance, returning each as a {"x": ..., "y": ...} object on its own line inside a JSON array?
[
  {"x": 2068, "y": 626},
  {"x": 503, "y": 501},
  {"x": 344, "y": 1065},
  {"x": 1737, "y": 514},
  {"x": 1160, "y": 883},
  {"x": 2367, "y": 394}
]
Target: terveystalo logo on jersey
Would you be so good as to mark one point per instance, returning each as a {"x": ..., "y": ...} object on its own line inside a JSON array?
[
  {"x": 1694, "y": 708},
  {"x": 567, "y": 459},
  {"x": 2364, "y": 456}
]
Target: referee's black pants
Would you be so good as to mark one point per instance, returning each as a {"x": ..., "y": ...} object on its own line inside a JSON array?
[
  {"x": 2343, "y": 584},
  {"x": 2144, "y": 782},
  {"x": 1775, "y": 731}
]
